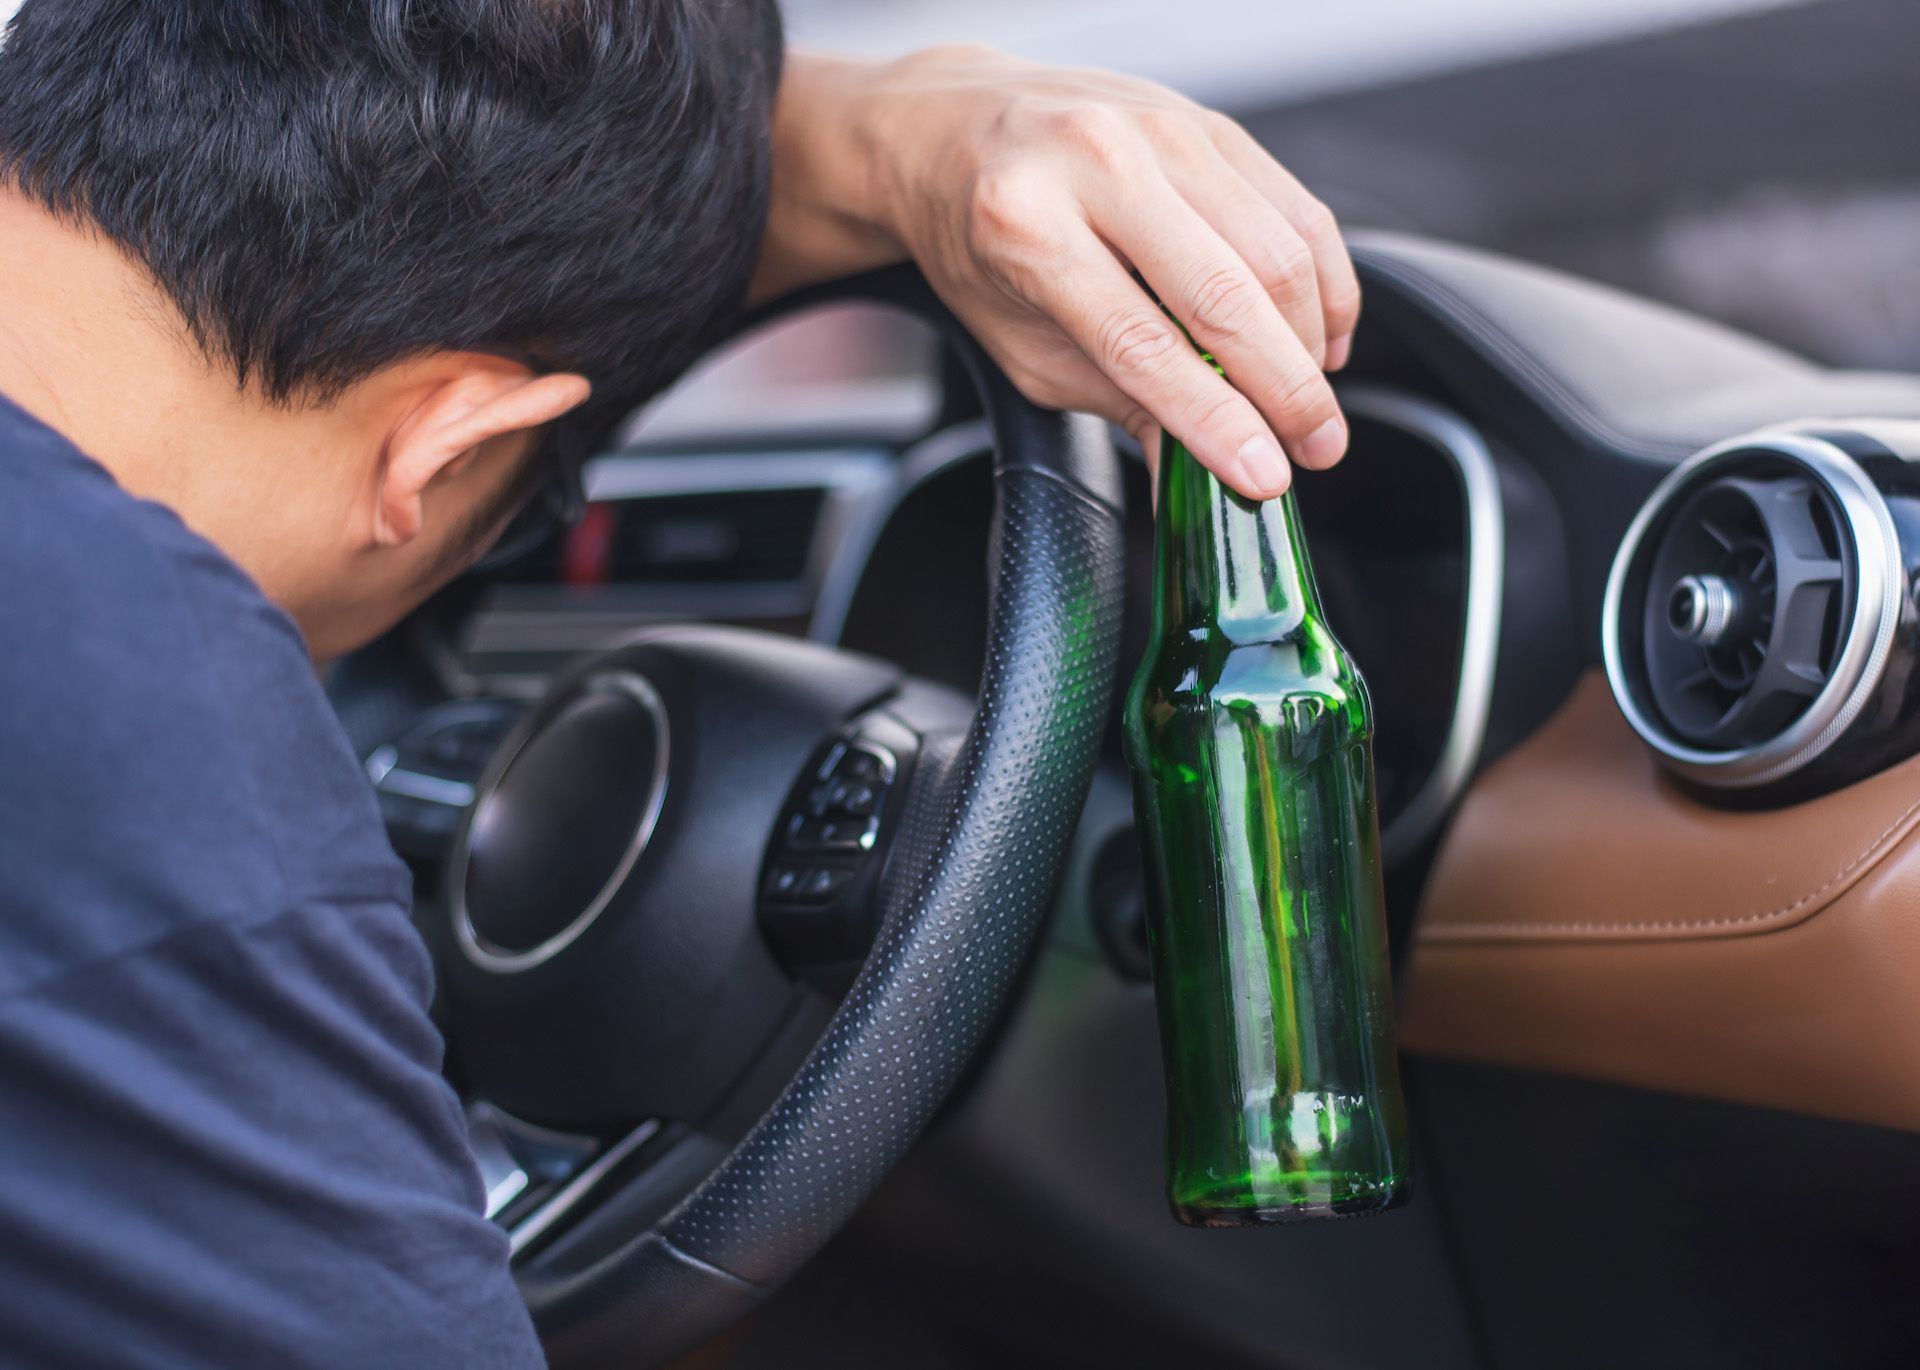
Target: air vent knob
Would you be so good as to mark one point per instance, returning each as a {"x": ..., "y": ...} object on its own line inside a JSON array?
[
  {"x": 1702, "y": 608},
  {"x": 1752, "y": 613}
]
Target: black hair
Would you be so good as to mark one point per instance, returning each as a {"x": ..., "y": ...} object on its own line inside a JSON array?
[{"x": 324, "y": 187}]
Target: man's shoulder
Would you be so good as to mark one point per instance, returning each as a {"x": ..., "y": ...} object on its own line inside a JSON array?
[
  {"x": 213, "y": 1012},
  {"x": 88, "y": 567},
  {"x": 170, "y": 755}
]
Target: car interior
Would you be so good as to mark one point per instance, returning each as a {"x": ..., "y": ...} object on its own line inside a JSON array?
[{"x": 774, "y": 843}]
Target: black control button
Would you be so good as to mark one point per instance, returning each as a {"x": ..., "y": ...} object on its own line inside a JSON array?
[
  {"x": 824, "y": 883},
  {"x": 856, "y": 797},
  {"x": 838, "y": 834},
  {"x": 820, "y": 799},
  {"x": 859, "y": 765},
  {"x": 854, "y": 834},
  {"x": 822, "y": 864},
  {"x": 784, "y": 882}
]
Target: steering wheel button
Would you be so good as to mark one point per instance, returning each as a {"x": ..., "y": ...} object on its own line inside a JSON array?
[
  {"x": 821, "y": 799},
  {"x": 824, "y": 883},
  {"x": 854, "y": 797},
  {"x": 849, "y": 834},
  {"x": 783, "y": 882},
  {"x": 858, "y": 764},
  {"x": 804, "y": 834},
  {"x": 831, "y": 762}
]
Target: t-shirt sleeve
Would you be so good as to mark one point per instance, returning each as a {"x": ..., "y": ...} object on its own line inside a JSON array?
[{"x": 228, "y": 1149}]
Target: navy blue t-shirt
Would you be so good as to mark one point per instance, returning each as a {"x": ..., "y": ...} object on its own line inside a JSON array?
[{"x": 224, "y": 1138}]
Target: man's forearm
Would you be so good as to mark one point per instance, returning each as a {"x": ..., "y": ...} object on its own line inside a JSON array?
[{"x": 822, "y": 222}]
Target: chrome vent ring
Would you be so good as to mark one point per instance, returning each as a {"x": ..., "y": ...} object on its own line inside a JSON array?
[{"x": 1752, "y": 607}]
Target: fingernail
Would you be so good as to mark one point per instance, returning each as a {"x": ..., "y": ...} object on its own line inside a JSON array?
[
  {"x": 1324, "y": 445},
  {"x": 1265, "y": 464},
  {"x": 1338, "y": 351}
]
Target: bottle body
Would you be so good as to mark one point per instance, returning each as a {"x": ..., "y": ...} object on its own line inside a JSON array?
[{"x": 1249, "y": 734}]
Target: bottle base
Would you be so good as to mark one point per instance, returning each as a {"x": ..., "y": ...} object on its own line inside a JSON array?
[{"x": 1279, "y": 1215}]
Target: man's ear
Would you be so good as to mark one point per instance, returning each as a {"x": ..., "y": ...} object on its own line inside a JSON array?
[{"x": 487, "y": 399}]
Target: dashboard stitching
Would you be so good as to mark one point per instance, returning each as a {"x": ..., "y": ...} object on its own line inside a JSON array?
[{"x": 1806, "y": 905}]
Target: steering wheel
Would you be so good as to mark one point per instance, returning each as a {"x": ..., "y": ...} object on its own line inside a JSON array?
[{"x": 688, "y": 836}]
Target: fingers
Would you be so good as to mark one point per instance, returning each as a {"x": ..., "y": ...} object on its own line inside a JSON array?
[
  {"x": 1062, "y": 378},
  {"x": 1241, "y": 254},
  {"x": 1339, "y": 286},
  {"x": 1230, "y": 311},
  {"x": 1273, "y": 249},
  {"x": 1067, "y": 380},
  {"x": 1143, "y": 356},
  {"x": 1148, "y": 436}
]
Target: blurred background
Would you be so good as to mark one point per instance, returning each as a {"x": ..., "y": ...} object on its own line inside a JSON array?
[{"x": 1755, "y": 160}]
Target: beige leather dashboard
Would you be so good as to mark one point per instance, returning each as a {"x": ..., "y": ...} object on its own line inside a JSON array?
[{"x": 1587, "y": 917}]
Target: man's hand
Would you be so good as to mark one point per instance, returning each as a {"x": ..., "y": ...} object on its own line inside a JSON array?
[{"x": 1028, "y": 193}]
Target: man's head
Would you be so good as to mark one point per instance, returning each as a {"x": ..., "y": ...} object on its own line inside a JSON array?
[{"x": 320, "y": 272}]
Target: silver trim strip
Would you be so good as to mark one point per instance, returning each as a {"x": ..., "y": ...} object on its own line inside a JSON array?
[
  {"x": 1486, "y": 559},
  {"x": 535, "y": 1224},
  {"x": 501, "y": 1173},
  {"x": 640, "y": 474},
  {"x": 389, "y": 777},
  {"x": 1869, "y": 640},
  {"x": 498, "y": 959}
]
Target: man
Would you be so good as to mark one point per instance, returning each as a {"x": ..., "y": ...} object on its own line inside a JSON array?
[{"x": 292, "y": 297}]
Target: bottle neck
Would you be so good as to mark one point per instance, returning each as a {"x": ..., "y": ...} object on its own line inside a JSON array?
[{"x": 1227, "y": 562}]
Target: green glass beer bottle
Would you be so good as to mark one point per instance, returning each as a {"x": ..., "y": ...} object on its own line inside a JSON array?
[{"x": 1249, "y": 734}]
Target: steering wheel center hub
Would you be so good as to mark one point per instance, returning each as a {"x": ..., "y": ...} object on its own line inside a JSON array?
[{"x": 560, "y": 821}]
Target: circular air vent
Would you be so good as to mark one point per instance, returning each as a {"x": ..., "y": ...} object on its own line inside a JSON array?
[{"x": 1751, "y": 608}]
